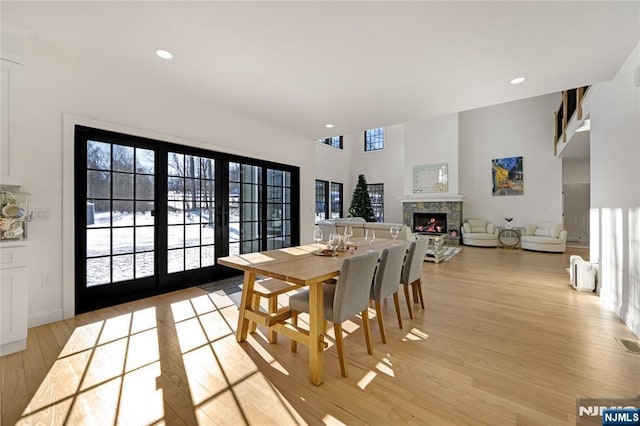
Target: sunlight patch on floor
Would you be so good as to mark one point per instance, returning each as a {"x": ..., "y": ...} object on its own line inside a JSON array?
[
  {"x": 329, "y": 420},
  {"x": 107, "y": 373},
  {"x": 368, "y": 378},
  {"x": 218, "y": 374},
  {"x": 266, "y": 356},
  {"x": 384, "y": 367},
  {"x": 414, "y": 335}
]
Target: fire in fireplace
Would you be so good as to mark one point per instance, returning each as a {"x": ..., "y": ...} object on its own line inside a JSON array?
[{"x": 430, "y": 223}]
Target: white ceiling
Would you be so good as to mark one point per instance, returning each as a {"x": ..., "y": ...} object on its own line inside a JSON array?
[{"x": 300, "y": 65}]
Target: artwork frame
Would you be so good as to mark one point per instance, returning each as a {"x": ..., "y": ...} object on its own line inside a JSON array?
[
  {"x": 431, "y": 178},
  {"x": 507, "y": 176}
]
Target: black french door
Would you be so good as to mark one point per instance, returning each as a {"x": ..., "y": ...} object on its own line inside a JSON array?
[{"x": 152, "y": 216}]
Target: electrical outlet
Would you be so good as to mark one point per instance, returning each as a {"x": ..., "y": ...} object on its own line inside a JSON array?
[
  {"x": 46, "y": 280},
  {"x": 41, "y": 214}
]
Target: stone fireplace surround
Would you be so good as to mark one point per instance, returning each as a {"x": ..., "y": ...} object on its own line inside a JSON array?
[{"x": 452, "y": 208}]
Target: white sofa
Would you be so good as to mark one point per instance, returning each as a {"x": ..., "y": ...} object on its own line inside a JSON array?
[
  {"x": 544, "y": 236},
  {"x": 359, "y": 225},
  {"x": 479, "y": 232}
]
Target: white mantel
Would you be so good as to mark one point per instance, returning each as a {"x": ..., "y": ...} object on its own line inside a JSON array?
[{"x": 431, "y": 198}]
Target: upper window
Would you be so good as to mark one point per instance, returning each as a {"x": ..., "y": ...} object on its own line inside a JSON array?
[
  {"x": 335, "y": 141},
  {"x": 374, "y": 139}
]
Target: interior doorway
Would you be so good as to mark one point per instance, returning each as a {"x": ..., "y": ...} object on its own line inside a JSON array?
[{"x": 576, "y": 202}]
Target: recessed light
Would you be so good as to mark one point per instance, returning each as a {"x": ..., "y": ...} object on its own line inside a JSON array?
[
  {"x": 517, "y": 80},
  {"x": 328, "y": 126},
  {"x": 164, "y": 54}
]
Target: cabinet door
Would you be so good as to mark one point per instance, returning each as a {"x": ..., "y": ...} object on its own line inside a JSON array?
[
  {"x": 9, "y": 110},
  {"x": 13, "y": 305}
]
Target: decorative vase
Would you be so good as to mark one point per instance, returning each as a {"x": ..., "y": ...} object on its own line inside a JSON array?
[{"x": 508, "y": 222}]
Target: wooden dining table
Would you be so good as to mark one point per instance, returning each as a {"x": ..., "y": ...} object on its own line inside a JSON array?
[{"x": 297, "y": 265}]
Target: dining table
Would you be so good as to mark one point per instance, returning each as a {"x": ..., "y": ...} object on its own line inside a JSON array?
[{"x": 303, "y": 266}]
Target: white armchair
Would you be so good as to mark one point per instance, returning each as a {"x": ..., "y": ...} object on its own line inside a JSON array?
[
  {"x": 478, "y": 232},
  {"x": 544, "y": 236}
]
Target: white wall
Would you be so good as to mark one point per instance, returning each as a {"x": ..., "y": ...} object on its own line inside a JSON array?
[
  {"x": 334, "y": 165},
  {"x": 381, "y": 166},
  {"x": 615, "y": 197},
  {"x": 522, "y": 128},
  {"x": 432, "y": 141},
  {"x": 56, "y": 83}
]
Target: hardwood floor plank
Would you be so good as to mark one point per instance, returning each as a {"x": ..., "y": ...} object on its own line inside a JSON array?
[
  {"x": 503, "y": 340},
  {"x": 13, "y": 387}
]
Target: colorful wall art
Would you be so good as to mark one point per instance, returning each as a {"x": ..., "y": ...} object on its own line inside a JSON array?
[{"x": 508, "y": 176}]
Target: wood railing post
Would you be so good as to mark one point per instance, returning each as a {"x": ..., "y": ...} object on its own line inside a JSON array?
[
  {"x": 579, "y": 95},
  {"x": 565, "y": 112},
  {"x": 555, "y": 133}
]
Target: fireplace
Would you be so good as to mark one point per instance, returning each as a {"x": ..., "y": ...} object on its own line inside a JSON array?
[
  {"x": 430, "y": 223},
  {"x": 451, "y": 208}
]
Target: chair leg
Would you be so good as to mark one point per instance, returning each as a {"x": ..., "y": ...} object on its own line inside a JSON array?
[
  {"x": 367, "y": 330},
  {"x": 272, "y": 336},
  {"x": 408, "y": 299},
  {"x": 380, "y": 321},
  {"x": 396, "y": 301},
  {"x": 418, "y": 285},
  {"x": 414, "y": 289},
  {"x": 294, "y": 322},
  {"x": 255, "y": 305},
  {"x": 337, "y": 330}
]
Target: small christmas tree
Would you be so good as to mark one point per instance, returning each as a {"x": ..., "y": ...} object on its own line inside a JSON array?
[{"x": 360, "y": 202}]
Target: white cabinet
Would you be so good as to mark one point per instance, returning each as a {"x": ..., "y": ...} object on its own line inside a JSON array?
[
  {"x": 13, "y": 298},
  {"x": 10, "y": 150}
]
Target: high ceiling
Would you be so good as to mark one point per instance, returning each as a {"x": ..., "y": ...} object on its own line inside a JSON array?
[{"x": 301, "y": 65}]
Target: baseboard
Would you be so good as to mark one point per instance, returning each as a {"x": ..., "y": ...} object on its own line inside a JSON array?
[
  {"x": 13, "y": 347},
  {"x": 631, "y": 319},
  {"x": 45, "y": 318}
]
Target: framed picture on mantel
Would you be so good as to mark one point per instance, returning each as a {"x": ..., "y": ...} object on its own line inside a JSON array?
[{"x": 431, "y": 178}]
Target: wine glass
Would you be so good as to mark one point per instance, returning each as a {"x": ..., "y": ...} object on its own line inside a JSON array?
[
  {"x": 371, "y": 236},
  {"x": 348, "y": 232},
  {"x": 334, "y": 239},
  {"x": 395, "y": 231},
  {"x": 317, "y": 235}
]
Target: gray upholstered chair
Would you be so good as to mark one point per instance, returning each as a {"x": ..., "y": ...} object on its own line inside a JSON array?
[
  {"x": 412, "y": 272},
  {"x": 344, "y": 300},
  {"x": 385, "y": 283}
]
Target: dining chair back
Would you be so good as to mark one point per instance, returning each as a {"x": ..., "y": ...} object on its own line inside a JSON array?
[
  {"x": 348, "y": 297},
  {"x": 385, "y": 282},
  {"x": 412, "y": 272},
  {"x": 353, "y": 286}
]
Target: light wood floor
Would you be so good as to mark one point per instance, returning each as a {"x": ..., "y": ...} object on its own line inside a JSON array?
[{"x": 503, "y": 340}]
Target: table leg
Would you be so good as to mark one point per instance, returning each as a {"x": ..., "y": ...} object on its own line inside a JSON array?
[
  {"x": 316, "y": 337},
  {"x": 245, "y": 303}
]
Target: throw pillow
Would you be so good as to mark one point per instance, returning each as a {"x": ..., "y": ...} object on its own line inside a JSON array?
[
  {"x": 467, "y": 228},
  {"x": 491, "y": 228},
  {"x": 477, "y": 223},
  {"x": 530, "y": 229},
  {"x": 541, "y": 232},
  {"x": 555, "y": 230}
]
